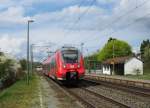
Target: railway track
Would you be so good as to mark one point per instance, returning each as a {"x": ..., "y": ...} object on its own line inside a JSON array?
[
  {"x": 88, "y": 98},
  {"x": 92, "y": 99},
  {"x": 134, "y": 90},
  {"x": 137, "y": 99},
  {"x": 92, "y": 94}
]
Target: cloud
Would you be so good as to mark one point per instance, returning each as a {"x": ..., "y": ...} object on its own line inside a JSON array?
[
  {"x": 11, "y": 45},
  {"x": 66, "y": 18},
  {"x": 96, "y": 24},
  {"x": 13, "y": 15},
  {"x": 30, "y": 3},
  {"x": 62, "y": 25}
]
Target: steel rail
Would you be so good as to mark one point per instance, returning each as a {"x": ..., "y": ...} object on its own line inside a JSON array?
[
  {"x": 70, "y": 93},
  {"x": 106, "y": 98},
  {"x": 83, "y": 101},
  {"x": 134, "y": 90}
]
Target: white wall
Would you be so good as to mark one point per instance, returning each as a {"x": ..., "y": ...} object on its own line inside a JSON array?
[
  {"x": 132, "y": 65},
  {"x": 106, "y": 70}
]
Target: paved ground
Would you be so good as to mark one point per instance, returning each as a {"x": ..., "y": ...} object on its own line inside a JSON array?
[
  {"x": 118, "y": 77},
  {"x": 50, "y": 97}
]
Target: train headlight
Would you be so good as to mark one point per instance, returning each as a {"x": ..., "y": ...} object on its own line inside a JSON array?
[
  {"x": 64, "y": 66},
  {"x": 78, "y": 65}
]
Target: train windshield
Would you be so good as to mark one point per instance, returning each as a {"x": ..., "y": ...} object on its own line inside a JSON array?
[{"x": 70, "y": 56}]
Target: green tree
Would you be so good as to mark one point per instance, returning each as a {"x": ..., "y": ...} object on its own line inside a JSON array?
[
  {"x": 23, "y": 63},
  {"x": 116, "y": 47},
  {"x": 1, "y": 53},
  {"x": 147, "y": 53},
  {"x": 144, "y": 44}
]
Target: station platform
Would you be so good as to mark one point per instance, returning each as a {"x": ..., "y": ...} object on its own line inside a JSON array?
[{"x": 119, "y": 80}]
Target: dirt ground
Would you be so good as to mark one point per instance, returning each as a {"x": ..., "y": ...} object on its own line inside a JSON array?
[{"x": 51, "y": 97}]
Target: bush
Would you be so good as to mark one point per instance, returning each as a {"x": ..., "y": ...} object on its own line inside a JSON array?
[{"x": 10, "y": 71}]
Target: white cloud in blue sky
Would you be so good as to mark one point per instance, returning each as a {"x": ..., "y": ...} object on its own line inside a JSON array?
[{"x": 55, "y": 22}]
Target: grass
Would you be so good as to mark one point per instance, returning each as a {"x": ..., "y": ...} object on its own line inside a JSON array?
[
  {"x": 143, "y": 77},
  {"x": 20, "y": 95}
]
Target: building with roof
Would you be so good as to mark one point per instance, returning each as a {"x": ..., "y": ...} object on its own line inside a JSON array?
[{"x": 123, "y": 66}]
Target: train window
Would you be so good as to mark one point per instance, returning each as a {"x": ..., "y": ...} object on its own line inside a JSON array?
[
  {"x": 53, "y": 62},
  {"x": 70, "y": 56}
]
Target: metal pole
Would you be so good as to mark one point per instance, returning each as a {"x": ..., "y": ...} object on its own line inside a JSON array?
[
  {"x": 28, "y": 54},
  {"x": 88, "y": 62},
  {"x": 31, "y": 53},
  {"x": 82, "y": 47},
  {"x": 113, "y": 59},
  {"x": 28, "y": 64}
]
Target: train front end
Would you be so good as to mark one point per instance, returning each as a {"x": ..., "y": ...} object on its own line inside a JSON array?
[{"x": 72, "y": 64}]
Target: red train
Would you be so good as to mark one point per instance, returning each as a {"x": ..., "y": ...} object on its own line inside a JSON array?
[{"x": 66, "y": 64}]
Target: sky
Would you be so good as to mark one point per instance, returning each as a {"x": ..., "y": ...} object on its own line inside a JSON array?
[{"x": 72, "y": 22}]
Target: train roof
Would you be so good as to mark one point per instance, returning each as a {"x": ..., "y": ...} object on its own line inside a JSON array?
[{"x": 68, "y": 48}]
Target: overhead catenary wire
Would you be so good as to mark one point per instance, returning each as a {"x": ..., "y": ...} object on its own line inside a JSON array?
[
  {"x": 78, "y": 20},
  {"x": 119, "y": 18},
  {"x": 107, "y": 26},
  {"x": 135, "y": 21},
  {"x": 44, "y": 49},
  {"x": 62, "y": 17}
]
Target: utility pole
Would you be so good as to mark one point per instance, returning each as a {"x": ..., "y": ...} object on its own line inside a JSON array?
[
  {"x": 82, "y": 44},
  {"x": 88, "y": 61},
  {"x": 31, "y": 54},
  {"x": 113, "y": 58},
  {"x": 28, "y": 64}
]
